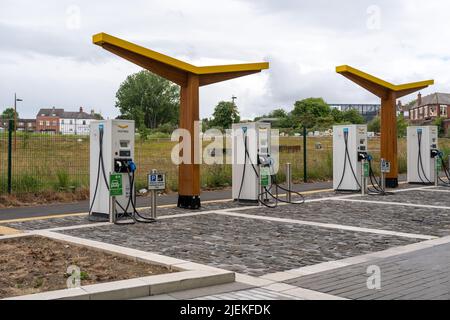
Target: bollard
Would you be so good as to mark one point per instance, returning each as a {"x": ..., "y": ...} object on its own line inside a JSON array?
[
  {"x": 112, "y": 216},
  {"x": 363, "y": 178},
  {"x": 288, "y": 182},
  {"x": 437, "y": 171},
  {"x": 153, "y": 204}
]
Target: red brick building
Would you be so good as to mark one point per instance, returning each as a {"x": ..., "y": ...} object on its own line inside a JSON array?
[
  {"x": 47, "y": 120},
  {"x": 426, "y": 109}
]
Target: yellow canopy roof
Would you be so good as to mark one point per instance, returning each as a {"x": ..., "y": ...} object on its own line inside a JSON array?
[
  {"x": 378, "y": 86},
  {"x": 171, "y": 68}
]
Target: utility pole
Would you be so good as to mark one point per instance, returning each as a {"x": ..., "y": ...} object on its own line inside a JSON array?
[{"x": 15, "y": 119}]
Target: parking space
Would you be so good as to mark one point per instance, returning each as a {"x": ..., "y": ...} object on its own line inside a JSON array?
[
  {"x": 407, "y": 219},
  {"x": 243, "y": 245},
  {"x": 427, "y": 197},
  {"x": 258, "y": 241}
]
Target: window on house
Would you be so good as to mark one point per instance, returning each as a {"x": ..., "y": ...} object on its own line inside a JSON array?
[
  {"x": 84, "y": 122},
  {"x": 444, "y": 111},
  {"x": 71, "y": 122},
  {"x": 62, "y": 121},
  {"x": 41, "y": 123},
  {"x": 47, "y": 123}
]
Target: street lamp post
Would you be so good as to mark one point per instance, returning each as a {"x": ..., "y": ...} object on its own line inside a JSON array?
[{"x": 15, "y": 119}]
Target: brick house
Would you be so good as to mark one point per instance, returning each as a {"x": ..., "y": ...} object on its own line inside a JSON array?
[
  {"x": 426, "y": 109},
  {"x": 47, "y": 120},
  {"x": 22, "y": 125}
]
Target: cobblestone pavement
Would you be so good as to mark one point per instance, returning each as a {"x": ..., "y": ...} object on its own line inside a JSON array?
[
  {"x": 431, "y": 197},
  {"x": 421, "y": 275},
  {"x": 426, "y": 221},
  {"x": 242, "y": 245},
  {"x": 77, "y": 220}
]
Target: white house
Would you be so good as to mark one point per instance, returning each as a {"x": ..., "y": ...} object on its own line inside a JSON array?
[{"x": 76, "y": 123}]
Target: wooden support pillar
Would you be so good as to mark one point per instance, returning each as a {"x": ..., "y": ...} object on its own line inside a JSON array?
[
  {"x": 189, "y": 173},
  {"x": 388, "y": 93},
  {"x": 389, "y": 137},
  {"x": 190, "y": 78}
]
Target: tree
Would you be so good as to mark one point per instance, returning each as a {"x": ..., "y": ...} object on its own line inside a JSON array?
[
  {"x": 439, "y": 122},
  {"x": 225, "y": 114},
  {"x": 306, "y": 112},
  {"x": 374, "y": 125},
  {"x": 278, "y": 113},
  {"x": 8, "y": 113},
  {"x": 402, "y": 124},
  {"x": 353, "y": 116},
  {"x": 337, "y": 115},
  {"x": 148, "y": 99}
]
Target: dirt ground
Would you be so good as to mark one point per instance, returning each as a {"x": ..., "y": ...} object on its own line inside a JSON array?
[
  {"x": 36, "y": 264},
  {"x": 44, "y": 197}
]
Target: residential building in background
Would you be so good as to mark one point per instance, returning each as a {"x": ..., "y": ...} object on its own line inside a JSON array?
[
  {"x": 64, "y": 122},
  {"x": 76, "y": 123},
  {"x": 47, "y": 120},
  {"x": 426, "y": 109},
  {"x": 28, "y": 125}
]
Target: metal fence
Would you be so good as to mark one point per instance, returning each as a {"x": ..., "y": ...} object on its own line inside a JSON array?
[{"x": 32, "y": 162}]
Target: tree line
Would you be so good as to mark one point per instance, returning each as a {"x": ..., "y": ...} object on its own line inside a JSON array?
[{"x": 153, "y": 103}]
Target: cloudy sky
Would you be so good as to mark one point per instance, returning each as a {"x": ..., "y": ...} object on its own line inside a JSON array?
[{"x": 47, "y": 56}]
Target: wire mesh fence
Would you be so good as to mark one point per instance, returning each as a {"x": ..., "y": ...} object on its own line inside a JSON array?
[{"x": 50, "y": 161}]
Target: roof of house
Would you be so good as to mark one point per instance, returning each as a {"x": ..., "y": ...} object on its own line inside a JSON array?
[
  {"x": 60, "y": 113},
  {"x": 435, "y": 98},
  {"x": 52, "y": 112},
  {"x": 76, "y": 115}
]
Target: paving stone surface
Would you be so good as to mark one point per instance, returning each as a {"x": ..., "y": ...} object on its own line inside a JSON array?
[
  {"x": 243, "y": 245},
  {"x": 415, "y": 197},
  {"x": 420, "y": 275},
  {"x": 82, "y": 220},
  {"x": 425, "y": 221},
  {"x": 50, "y": 223},
  {"x": 251, "y": 294}
]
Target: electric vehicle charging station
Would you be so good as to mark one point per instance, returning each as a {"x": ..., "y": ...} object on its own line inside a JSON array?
[
  {"x": 111, "y": 150},
  {"x": 422, "y": 154},
  {"x": 112, "y": 172},
  {"x": 349, "y": 154},
  {"x": 250, "y": 145}
]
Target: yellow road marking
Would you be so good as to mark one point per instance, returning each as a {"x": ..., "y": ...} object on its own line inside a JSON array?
[{"x": 6, "y": 231}]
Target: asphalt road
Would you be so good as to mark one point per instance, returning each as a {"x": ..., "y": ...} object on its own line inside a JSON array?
[{"x": 83, "y": 206}]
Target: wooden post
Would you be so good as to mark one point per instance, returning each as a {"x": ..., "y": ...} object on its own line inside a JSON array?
[
  {"x": 389, "y": 137},
  {"x": 189, "y": 174},
  {"x": 388, "y": 93},
  {"x": 190, "y": 78}
]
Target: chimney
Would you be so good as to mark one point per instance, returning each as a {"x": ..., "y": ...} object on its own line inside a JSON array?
[
  {"x": 419, "y": 99},
  {"x": 81, "y": 109}
]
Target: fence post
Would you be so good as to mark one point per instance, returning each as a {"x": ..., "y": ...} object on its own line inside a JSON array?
[
  {"x": 10, "y": 131},
  {"x": 305, "y": 174}
]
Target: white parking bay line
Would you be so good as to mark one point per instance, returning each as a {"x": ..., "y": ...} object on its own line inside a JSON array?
[
  {"x": 327, "y": 225},
  {"x": 394, "y": 203},
  {"x": 436, "y": 190}
]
